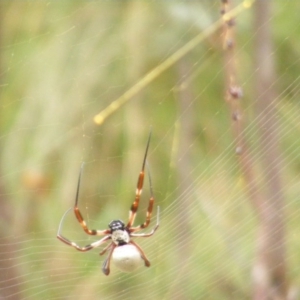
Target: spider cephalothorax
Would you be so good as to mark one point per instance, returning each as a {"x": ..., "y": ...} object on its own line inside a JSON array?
[
  {"x": 119, "y": 234},
  {"x": 123, "y": 250},
  {"x": 116, "y": 225}
]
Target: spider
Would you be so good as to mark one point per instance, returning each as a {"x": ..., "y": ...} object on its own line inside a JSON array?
[{"x": 126, "y": 254}]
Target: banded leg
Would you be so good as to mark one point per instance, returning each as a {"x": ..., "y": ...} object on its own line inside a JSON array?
[
  {"x": 143, "y": 255},
  {"x": 79, "y": 215},
  {"x": 141, "y": 227},
  {"x": 106, "y": 248},
  {"x": 106, "y": 263},
  {"x": 70, "y": 243},
  {"x": 149, "y": 210},
  {"x": 139, "y": 188}
]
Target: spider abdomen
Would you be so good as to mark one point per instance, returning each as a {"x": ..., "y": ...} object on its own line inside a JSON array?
[
  {"x": 126, "y": 254},
  {"x": 127, "y": 258}
]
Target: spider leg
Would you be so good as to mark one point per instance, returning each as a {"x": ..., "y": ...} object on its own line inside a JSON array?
[
  {"x": 143, "y": 255},
  {"x": 149, "y": 210},
  {"x": 85, "y": 248},
  {"x": 70, "y": 243},
  {"x": 140, "y": 183},
  {"x": 79, "y": 215},
  {"x": 140, "y": 227},
  {"x": 105, "y": 249},
  {"x": 106, "y": 263}
]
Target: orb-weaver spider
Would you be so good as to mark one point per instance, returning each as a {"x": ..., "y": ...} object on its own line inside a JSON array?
[{"x": 125, "y": 253}]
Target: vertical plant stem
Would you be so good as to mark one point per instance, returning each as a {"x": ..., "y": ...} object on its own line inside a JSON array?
[
  {"x": 233, "y": 96},
  {"x": 269, "y": 269},
  {"x": 271, "y": 243}
]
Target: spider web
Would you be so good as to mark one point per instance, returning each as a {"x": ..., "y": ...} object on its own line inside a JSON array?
[{"x": 63, "y": 63}]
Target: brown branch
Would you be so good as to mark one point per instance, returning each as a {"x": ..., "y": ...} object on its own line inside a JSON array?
[
  {"x": 271, "y": 244},
  {"x": 233, "y": 96},
  {"x": 269, "y": 270}
]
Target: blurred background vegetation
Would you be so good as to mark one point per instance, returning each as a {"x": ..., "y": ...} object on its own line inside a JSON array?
[{"x": 61, "y": 64}]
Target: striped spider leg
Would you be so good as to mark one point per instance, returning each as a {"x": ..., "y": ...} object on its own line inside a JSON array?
[{"x": 125, "y": 253}]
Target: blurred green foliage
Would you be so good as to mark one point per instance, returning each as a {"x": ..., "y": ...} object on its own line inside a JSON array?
[{"x": 61, "y": 64}]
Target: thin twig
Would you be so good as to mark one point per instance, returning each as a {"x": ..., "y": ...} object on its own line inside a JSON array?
[
  {"x": 171, "y": 60},
  {"x": 269, "y": 268}
]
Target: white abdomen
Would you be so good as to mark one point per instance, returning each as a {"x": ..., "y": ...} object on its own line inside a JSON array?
[{"x": 127, "y": 258}]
